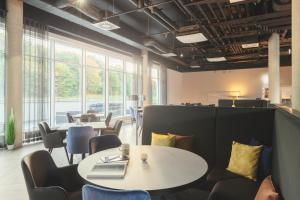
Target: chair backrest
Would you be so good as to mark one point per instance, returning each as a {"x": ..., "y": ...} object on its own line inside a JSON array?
[
  {"x": 117, "y": 126},
  {"x": 103, "y": 142},
  {"x": 92, "y": 117},
  {"x": 70, "y": 118},
  {"x": 43, "y": 134},
  {"x": 46, "y": 127},
  {"x": 84, "y": 118},
  {"x": 36, "y": 167},
  {"x": 91, "y": 111},
  {"x": 95, "y": 193},
  {"x": 108, "y": 119},
  {"x": 78, "y": 139}
]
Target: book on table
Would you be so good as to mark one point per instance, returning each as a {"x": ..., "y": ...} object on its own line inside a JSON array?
[{"x": 109, "y": 168}]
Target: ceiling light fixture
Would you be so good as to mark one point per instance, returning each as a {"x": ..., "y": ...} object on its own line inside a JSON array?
[
  {"x": 106, "y": 25},
  {"x": 235, "y": 1},
  {"x": 216, "y": 59},
  {"x": 195, "y": 66},
  {"x": 181, "y": 55},
  {"x": 250, "y": 45},
  {"x": 191, "y": 38},
  {"x": 169, "y": 54}
]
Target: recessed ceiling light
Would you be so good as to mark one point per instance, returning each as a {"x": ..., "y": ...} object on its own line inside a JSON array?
[
  {"x": 250, "y": 45},
  {"x": 191, "y": 38},
  {"x": 195, "y": 66},
  {"x": 235, "y": 1},
  {"x": 181, "y": 55},
  {"x": 169, "y": 54},
  {"x": 216, "y": 59},
  {"x": 106, "y": 25}
]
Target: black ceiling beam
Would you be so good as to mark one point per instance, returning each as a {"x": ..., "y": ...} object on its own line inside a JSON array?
[{"x": 201, "y": 2}]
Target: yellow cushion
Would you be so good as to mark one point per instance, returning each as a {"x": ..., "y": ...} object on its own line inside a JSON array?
[
  {"x": 244, "y": 160},
  {"x": 163, "y": 140}
]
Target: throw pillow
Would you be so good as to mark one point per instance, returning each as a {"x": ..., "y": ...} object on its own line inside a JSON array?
[
  {"x": 163, "y": 140},
  {"x": 267, "y": 190},
  {"x": 265, "y": 161},
  {"x": 244, "y": 160},
  {"x": 183, "y": 141}
]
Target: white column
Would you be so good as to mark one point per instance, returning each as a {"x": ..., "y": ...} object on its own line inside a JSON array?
[
  {"x": 296, "y": 54},
  {"x": 146, "y": 78},
  {"x": 14, "y": 100},
  {"x": 274, "y": 68}
]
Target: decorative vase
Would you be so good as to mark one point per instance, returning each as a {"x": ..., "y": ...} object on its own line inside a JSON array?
[{"x": 10, "y": 147}]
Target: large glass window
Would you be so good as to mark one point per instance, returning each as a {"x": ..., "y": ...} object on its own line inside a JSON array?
[
  {"x": 155, "y": 83},
  {"x": 115, "y": 86},
  {"x": 68, "y": 66},
  {"x": 2, "y": 75},
  {"x": 95, "y": 82},
  {"x": 130, "y": 86}
]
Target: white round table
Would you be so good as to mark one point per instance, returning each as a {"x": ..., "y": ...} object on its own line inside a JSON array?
[{"x": 165, "y": 168}]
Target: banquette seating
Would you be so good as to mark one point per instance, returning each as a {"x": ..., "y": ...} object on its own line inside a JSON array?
[{"x": 215, "y": 128}]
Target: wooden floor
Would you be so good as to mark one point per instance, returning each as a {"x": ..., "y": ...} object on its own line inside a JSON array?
[{"x": 12, "y": 185}]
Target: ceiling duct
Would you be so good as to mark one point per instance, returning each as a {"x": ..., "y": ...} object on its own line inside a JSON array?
[
  {"x": 281, "y": 5},
  {"x": 85, "y": 8},
  {"x": 153, "y": 44}
]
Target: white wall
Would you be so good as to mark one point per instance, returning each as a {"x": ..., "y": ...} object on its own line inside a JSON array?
[
  {"x": 207, "y": 87},
  {"x": 174, "y": 87}
]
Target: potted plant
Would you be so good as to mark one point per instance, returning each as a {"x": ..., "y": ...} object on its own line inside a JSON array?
[{"x": 10, "y": 131}]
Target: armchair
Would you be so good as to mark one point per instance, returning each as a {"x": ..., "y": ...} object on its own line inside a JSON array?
[{"x": 44, "y": 180}]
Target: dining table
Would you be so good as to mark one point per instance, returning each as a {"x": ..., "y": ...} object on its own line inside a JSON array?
[
  {"x": 97, "y": 126},
  {"x": 165, "y": 168}
]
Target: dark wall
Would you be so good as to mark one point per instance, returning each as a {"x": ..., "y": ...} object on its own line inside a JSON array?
[{"x": 2, "y": 5}]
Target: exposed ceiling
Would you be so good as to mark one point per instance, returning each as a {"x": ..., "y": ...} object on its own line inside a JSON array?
[{"x": 227, "y": 26}]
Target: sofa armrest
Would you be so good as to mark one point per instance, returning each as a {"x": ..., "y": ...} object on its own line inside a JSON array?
[
  {"x": 70, "y": 179},
  {"x": 49, "y": 193}
]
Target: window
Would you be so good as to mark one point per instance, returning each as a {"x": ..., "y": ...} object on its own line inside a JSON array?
[
  {"x": 115, "y": 86},
  {"x": 95, "y": 82},
  {"x": 130, "y": 85},
  {"x": 67, "y": 81},
  {"x": 155, "y": 84},
  {"x": 2, "y": 75}
]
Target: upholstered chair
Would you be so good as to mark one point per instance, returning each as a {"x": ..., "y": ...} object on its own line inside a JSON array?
[
  {"x": 44, "y": 180},
  {"x": 95, "y": 193},
  {"x": 115, "y": 130},
  {"x": 78, "y": 140},
  {"x": 103, "y": 142},
  {"x": 52, "y": 139}
]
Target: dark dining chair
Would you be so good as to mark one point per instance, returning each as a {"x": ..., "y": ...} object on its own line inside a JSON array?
[
  {"x": 85, "y": 118},
  {"x": 115, "y": 130},
  {"x": 90, "y": 192},
  {"x": 52, "y": 139},
  {"x": 70, "y": 118},
  {"x": 44, "y": 180},
  {"x": 49, "y": 130},
  {"x": 78, "y": 140},
  {"x": 108, "y": 119},
  {"x": 103, "y": 142}
]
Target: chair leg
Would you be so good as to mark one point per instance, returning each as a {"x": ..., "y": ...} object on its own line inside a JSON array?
[
  {"x": 67, "y": 153},
  {"x": 83, "y": 156},
  {"x": 71, "y": 159}
]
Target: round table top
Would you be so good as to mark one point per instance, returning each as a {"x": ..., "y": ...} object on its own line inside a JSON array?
[{"x": 166, "y": 168}]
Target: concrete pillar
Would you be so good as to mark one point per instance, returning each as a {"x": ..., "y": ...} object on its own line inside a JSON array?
[
  {"x": 14, "y": 83},
  {"x": 146, "y": 78},
  {"x": 296, "y": 55},
  {"x": 274, "y": 68}
]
